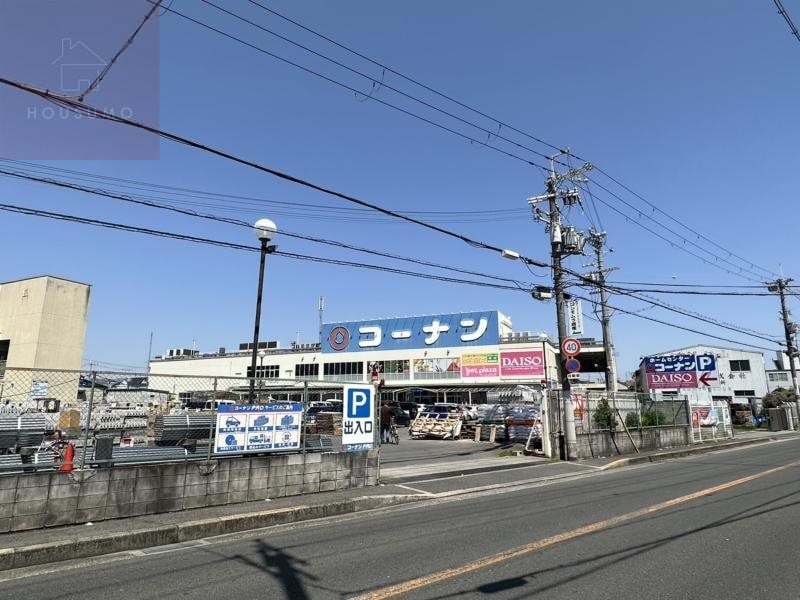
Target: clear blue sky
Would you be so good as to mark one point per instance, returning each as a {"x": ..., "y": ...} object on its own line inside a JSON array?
[{"x": 692, "y": 104}]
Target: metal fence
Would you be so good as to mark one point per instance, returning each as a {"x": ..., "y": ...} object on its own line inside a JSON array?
[
  {"x": 597, "y": 411},
  {"x": 142, "y": 417},
  {"x": 633, "y": 410}
]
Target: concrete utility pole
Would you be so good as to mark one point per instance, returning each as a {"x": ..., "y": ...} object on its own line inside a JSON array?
[
  {"x": 564, "y": 241},
  {"x": 597, "y": 240},
  {"x": 789, "y": 330}
]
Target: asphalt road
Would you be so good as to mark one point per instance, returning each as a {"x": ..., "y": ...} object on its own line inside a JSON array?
[{"x": 651, "y": 531}]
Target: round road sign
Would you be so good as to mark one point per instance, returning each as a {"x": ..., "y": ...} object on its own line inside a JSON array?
[
  {"x": 573, "y": 365},
  {"x": 571, "y": 347}
]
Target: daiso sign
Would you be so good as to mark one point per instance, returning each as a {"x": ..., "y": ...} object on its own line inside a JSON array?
[{"x": 526, "y": 363}]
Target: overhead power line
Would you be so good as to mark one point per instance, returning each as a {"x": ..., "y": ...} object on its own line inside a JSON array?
[
  {"x": 689, "y": 329},
  {"x": 672, "y": 218},
  {"x": 351, "y": 88},
  {"x": 255, "y": 204},
  {"x": 374, "y": 81},
  {"x": 682, "y": 247},
  {"x": 787, "y": 18},
  {"x": 499, "y": 123},
  {"x": 235, "y": 246},
  {"x": 408, "y": 78},
  {"x": 91, "y": 111},
  {"x": 245, "y": 224},
  {"x": 128, "y": 42},
  {"x": 237, "y": 222}
]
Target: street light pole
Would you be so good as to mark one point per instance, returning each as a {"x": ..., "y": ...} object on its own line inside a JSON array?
[{"x": 264, "y": 230}]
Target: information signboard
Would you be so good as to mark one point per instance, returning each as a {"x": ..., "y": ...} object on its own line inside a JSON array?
[
  {"x": 248, "y": 428},
  {"x": 358, "y": 418},
  {"x": 679, "y": 371}
]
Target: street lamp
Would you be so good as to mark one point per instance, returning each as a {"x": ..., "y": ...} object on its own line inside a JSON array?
[{"x": 264, "y": 230}]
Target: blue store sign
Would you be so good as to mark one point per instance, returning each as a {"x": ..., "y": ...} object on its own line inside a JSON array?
[{"x": 405, "y": 333}]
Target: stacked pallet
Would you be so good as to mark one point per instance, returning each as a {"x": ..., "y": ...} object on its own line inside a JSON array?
[
  {"x": 328, "y": 424},
  {"x": 436, "y": 425}
]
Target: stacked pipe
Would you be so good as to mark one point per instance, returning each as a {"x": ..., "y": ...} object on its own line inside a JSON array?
[
  {"x": 171, "y": 429},
  {"x": 144, "y": 455},
  {"x": 22, "y": 431}
]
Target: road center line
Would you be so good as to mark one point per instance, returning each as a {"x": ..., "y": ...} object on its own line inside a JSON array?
[{"x": 393, "y": 591}]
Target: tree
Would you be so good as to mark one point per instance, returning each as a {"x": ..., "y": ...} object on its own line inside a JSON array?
[
  {"x": 777, "y": 397},
  {"x": 604, "y": 416}
]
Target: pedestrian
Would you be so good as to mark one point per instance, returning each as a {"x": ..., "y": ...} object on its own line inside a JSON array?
[{"x": 386, "y": 422}]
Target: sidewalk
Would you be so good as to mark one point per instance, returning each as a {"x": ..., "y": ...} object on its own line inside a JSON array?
[
  {"x": 29, "y": 548},
  {"x": 742, "y": 439}
]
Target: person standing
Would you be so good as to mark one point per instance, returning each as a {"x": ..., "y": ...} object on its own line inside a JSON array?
[{"x": 386, "y": 422}]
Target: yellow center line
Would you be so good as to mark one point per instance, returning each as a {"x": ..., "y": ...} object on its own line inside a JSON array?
[{"x": 487, "y": 561}]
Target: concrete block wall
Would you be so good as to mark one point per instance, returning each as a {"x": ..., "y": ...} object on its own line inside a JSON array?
[
  {"x": 36, "y": 500},
  {"x": 652, "y": 438}
]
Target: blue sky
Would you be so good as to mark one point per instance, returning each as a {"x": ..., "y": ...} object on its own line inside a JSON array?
[{"x": 693, "y": 105}]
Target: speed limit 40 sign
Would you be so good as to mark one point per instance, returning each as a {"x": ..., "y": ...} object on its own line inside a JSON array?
[{"x": 571, "y": 347}]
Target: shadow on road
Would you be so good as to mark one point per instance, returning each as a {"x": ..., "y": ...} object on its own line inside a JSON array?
[
  {"x": 283, "y": 567},
  {"x": 598, "y": 562}
]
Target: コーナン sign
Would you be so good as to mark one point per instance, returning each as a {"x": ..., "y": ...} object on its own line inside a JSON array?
[{"x": 526, "y": 363}]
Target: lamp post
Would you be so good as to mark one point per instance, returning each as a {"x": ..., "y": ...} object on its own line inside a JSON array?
[
  {"x": 264, "y": 230},
  {"x": 261, "y": 355}
]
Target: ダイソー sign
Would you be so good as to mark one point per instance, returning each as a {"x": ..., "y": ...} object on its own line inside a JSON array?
[
  {"x": 679, "y": 371},
  {"x": 526, "y": 363}
]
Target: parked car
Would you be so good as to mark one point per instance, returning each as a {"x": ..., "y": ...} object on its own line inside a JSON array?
[
  {"x": 402, "y": 417},
  {"x": 411, "y": 408}
]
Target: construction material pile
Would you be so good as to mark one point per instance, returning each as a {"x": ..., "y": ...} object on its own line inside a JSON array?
[
  {"x": 327, "y": 423},
  {"x": 22, "y": 431},
  {"x": 436, "y": 425},
  {"x": 170, "y": 430}
]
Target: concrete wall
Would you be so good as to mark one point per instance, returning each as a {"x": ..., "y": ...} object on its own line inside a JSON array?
[
  {"x": 653, "y": 438},
  {"x": 36, "y": 500}
]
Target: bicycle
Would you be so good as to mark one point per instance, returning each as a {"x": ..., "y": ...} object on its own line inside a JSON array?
[{"x": 394, "y": 436}]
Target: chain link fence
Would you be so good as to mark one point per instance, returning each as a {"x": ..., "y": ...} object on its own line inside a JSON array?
[
  {"x": 124, "y": 417},
  {"x": 597, "y": 411}
]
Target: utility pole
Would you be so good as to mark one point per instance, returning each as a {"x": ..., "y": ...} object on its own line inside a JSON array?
[
  {"x": 597, "y": 240},
  {"x": 789, "y": 330},
  {"x": 321, "y": 307},
  {"x": 564, "y": 241}
]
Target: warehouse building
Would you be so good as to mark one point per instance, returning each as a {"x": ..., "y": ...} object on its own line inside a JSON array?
[{"x": 42, "y": 326}]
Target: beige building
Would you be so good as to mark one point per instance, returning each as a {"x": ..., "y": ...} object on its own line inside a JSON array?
[{"x": 42, "y": 326}]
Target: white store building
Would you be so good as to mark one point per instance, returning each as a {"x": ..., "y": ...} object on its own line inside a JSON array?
[{"x": 457, "y": 357}]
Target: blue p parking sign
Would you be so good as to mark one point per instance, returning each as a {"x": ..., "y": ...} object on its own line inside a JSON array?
[
  {"x": 358, "y": 403},
  {"x": 358, "y": 424}
]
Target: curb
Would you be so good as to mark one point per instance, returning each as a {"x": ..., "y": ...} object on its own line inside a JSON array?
[
  {"x": 456, "y": 472},
  {"x": 662, "y": 456},
  {"x": 28, "y": 556}
]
